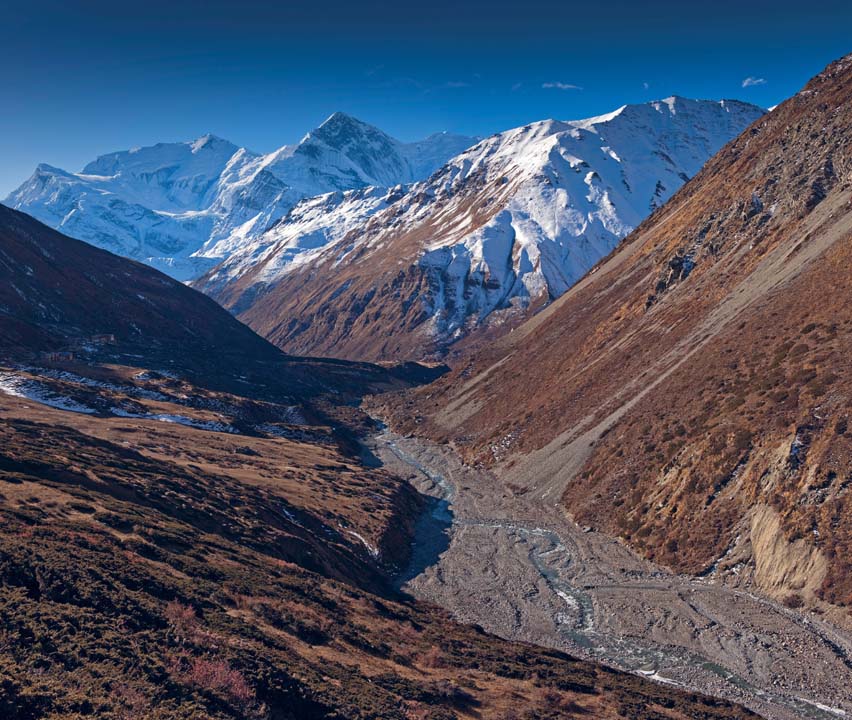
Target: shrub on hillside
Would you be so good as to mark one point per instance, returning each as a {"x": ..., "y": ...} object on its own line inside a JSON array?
[{"x": 213, "y": 675}]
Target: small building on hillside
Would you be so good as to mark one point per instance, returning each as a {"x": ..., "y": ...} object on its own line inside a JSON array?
[{"x": 58, "y": 356}]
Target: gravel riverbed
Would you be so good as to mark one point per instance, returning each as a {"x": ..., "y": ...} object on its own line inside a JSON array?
[{"x": 522, "y": 570}]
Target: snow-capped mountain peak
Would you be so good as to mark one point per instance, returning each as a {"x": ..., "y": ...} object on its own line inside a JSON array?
[
  {"x": 503, "y": 227},
  {"x": 212, "y": 142},
  {"x": 183, "y": 206},
  {"x": 339, "y": 129},
  {"x": 45, "y": 169}
]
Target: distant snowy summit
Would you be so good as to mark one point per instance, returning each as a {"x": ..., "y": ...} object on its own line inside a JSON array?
[
  {"x": 183, "y": 207},
  {"x": 501, "y": 229}
]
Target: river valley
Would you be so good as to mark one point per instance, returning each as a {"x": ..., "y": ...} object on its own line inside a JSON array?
[{"x": 520, "y": 568}]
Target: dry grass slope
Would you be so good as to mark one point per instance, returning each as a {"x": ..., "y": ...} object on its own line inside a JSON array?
[{"x": 188, "y": 529}]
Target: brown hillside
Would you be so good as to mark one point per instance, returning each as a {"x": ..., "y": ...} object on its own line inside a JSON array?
[
  {"x": 691, "y": 393},
  {"x": 171, "y": 548},
  {"x": 171, "y": 572}
]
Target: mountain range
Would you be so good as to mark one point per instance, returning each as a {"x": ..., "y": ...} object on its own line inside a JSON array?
[
  {"x": 182, "y": 207},
  {"x": 499, "y": 231},
  {"x": 305, "y": 243}
]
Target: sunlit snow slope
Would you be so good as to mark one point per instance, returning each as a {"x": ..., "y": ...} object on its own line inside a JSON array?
[
  {"x": 182, "y": 207},
  {"x": 503, "y": 227}
]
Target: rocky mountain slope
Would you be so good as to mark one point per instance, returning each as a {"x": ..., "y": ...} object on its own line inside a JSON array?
[
  {"x": 500, "y": 230},
  {"x": 181, "y": 207},
  {"x": 204, "y": 537},
  {"x": 691, "y": 394}
]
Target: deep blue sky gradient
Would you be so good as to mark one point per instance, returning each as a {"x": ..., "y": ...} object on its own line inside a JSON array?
[{"x": 84, "y": 78}]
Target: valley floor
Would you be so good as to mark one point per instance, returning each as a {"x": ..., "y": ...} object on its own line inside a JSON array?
[{"x": 496, "y": 556}]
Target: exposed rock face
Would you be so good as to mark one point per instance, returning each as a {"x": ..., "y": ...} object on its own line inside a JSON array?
[
  {"x": 784, "y": 569},
  {"x": 701, "y": 370},
  {"x": 495, "y": 234}
]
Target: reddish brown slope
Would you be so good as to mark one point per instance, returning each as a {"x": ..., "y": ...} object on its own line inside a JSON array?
[
  {"x": 691, "y": 394},
  {"x": 170, "y": 549}
]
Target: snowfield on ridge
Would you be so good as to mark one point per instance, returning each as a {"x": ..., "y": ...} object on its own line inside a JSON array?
[
  {"x": 182, "y": 207},
  {"x": 509, "y": 224}
]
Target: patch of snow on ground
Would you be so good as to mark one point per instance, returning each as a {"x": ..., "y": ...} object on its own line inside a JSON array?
[
  {"x": 21, "y": 387},
  {"x": 210, "y": 425},
  {"x": 67, "y": 376},
  {"x": 374, "y": 551}
]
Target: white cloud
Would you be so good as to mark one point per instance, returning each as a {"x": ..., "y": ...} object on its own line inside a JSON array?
[
  {"x": 751, "y": 81},
  {"x": 560, "y": 86},
  {"x": 645, "y": 85},
  {"x": 517, "y": 86},
  {"x": 457, "y": 84}
]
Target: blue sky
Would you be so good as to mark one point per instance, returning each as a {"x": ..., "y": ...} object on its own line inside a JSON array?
[{"x": 83, "y": 78}]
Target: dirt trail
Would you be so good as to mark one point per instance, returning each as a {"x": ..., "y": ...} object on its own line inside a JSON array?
[{"x": 522, "y": 570}]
